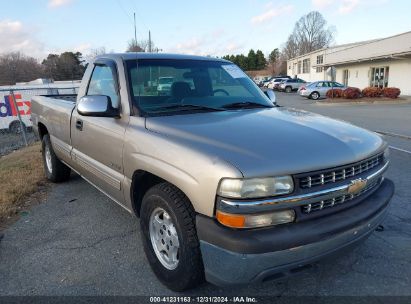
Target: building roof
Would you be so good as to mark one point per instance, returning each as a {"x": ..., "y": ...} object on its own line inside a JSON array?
[
  {"x": 365, "y": 50},
  {"x": 389, "y": 47}
]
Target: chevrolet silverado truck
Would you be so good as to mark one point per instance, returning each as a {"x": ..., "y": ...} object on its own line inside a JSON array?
[{"x": 228, "y": 186}]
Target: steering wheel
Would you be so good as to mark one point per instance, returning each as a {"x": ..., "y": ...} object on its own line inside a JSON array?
[{"x": 222, "y": 91}]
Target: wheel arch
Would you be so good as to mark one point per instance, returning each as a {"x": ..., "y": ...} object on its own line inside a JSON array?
[
  {"x": 42, "y": 130},
  {"x": 141, "y": 182}
]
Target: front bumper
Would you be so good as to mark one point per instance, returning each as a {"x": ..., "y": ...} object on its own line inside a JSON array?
[{"x": 243, "y": 256}]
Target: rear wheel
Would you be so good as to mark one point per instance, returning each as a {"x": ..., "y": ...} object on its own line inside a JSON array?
[
  {"x": 315, "y": 95},
  {"x": 55, "y": 170},
  {"x": 170, "y": 238},
  {"x": 15, "y": 127}
]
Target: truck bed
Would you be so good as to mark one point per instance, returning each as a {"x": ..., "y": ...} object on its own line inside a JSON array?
[
  {"x": 54, "y": 111},
  {"x": 67, "y": 97}
]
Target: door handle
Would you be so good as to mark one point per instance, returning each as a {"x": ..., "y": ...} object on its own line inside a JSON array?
[{"x": 79, "y": 124}]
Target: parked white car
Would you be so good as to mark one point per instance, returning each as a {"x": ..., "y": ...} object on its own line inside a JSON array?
[{"x": 276, "y": 81}]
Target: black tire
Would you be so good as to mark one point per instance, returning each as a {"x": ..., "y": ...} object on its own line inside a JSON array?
[
  {"x": 189, "y": 271},
  {"x": 15, "y": 127},
  {"x": 288, "y": 89},
  {"x": 58, "y": 172},
  {"x": 315, "y": 95}
]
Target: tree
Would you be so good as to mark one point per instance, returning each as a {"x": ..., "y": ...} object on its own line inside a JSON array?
[
  {"x": 310, "y": 33},
  {"x": 16, "y": 67},
  {"x": 261, "y": 62},
  {"x": 135, "y": 46},
  {"x": 252, "y": 60},
  {"x": 66, "y": 66},
  {"x": 291, "y": 48},
  {"x": 95, "y": 52},
  {"x": 273, "y": 59}
]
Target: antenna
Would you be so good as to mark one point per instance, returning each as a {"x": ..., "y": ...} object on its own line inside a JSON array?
[
  {"x": 149, "y": 41},
  {"x": 135, "y": 28}
]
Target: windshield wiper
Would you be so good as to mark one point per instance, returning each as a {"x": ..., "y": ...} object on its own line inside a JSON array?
[
  {"x": 189, "y": 107},
  {"x": 245, "y": 105}
]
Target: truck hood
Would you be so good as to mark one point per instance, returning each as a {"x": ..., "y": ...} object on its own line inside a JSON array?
[{"x": 266, "y": 142}]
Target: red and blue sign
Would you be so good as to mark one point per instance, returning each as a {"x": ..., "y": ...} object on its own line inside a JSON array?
[{"x": 7, "y": 108}]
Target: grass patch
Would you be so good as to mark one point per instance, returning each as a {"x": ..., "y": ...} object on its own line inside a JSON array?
[{"x": 21, "y": 174}]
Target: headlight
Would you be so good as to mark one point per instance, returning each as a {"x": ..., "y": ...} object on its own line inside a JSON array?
[{"x": 255, "y": 187}]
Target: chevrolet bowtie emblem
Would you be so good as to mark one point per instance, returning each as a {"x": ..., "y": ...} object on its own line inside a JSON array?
[{"x": 356, "y": 186}]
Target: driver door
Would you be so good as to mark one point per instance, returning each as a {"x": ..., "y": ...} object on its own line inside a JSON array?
[{"x": 98, "y": 141}]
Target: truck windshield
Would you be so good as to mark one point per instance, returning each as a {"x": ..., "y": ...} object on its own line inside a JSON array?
[{"x": 192, "y": 85}]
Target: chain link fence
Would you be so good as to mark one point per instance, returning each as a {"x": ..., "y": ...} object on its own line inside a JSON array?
[{"x": 15, "y": 113}]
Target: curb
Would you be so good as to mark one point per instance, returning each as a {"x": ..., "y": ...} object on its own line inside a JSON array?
[
  {"x": 376, "y": 102},
  {"x": 393, "y": 134}
]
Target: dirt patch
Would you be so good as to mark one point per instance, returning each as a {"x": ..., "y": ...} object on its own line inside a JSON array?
[{"x": 22, "y": 183}]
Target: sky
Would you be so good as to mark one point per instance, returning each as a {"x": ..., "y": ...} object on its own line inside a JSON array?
[{"x": 212, "y": 27}]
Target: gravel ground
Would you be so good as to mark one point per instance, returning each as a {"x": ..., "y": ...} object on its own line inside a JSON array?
[{"x": 10, "y": 141}]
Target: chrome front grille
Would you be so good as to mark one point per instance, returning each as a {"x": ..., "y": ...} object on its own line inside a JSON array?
[
  {"x": 339, "y": 199},
  {"x": 341, "y": 173}
]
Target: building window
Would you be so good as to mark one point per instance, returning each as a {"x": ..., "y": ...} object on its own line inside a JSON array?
[
  {"x": 306, "y": 66},
  {"x": 319, "y": 69},
  {"x": 320, "y": 59},
  {"x": 299, "y": 67},
  {"x": 379, "y": 77}
]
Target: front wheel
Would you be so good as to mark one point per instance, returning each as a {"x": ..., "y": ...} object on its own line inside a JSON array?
[
  {"x": 170, "y": 238},
  {"x": 55, "y": 170},
  {"x": 288, "y": 89}
]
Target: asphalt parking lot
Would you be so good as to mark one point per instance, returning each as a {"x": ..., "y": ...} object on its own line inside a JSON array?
[{"x": 80, "y": 243}]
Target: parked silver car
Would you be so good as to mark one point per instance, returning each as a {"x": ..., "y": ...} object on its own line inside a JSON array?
[
  {"x": 318, "y": 89},
  {"x": 290, "y": 85}
]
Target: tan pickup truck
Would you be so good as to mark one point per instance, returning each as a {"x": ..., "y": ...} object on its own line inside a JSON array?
[{"x": 228, "y": 186}]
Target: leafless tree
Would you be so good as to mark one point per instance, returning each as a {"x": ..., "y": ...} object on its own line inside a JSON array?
[
  {"x": 94, "y": 53},
  {"x": 310, "y": 33},
  {"x": 137, "y": 46},
  {"x": 16, "y": 67}
]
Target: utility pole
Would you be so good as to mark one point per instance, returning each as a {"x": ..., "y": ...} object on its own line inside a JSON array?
[
  {"x": 135, "y": 29},
  {"x": 149, "y": 41}
]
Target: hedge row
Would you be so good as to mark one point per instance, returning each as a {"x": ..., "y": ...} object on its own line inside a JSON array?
[{"x": 354, "y": 93}]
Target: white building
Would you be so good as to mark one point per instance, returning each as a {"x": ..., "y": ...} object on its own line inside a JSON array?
[{"x": 382, "y": 62}]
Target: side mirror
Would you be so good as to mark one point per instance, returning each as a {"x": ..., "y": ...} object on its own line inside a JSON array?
[
  {"x": 271, "y": 95},
  {"x": 97, "y": 105}
]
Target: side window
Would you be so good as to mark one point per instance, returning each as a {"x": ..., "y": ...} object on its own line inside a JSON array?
[
  {"x": 102, "y": 83},
  {"x": 320, "y": 84}
]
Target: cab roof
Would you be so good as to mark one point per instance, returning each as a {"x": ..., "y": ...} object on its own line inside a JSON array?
[{"x": 141, "y": 55}]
